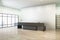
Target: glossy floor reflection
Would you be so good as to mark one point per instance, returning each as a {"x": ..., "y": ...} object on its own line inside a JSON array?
[
  {"x": 9, "y": 34},
  {"x": 37, "y": 35},
  {"x": 58, "y": 34},
  {"x": 20, "y": 34}
]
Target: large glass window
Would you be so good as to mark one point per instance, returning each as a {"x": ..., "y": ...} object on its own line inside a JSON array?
[
  {"x": 0, "y": 21},
  {"x": 8, "y": 20}
]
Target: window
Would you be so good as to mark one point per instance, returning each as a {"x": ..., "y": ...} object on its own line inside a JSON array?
[
  {"x": 8, "y": 20},
  {"x": 0, "y": 21}
]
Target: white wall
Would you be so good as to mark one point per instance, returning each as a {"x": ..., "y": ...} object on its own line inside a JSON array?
[
  {"x": 50, "y": 11},
  {"x": 32, "y": 14},
  {"x": 9, "y": 11},
  {"x": 44, "y": 14}
]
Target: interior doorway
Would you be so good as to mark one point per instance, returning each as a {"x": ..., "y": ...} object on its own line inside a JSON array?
[{"x": 57, "y": 21}]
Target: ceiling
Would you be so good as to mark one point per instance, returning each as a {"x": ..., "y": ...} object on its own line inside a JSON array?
[{"x": 25, "y": 3}]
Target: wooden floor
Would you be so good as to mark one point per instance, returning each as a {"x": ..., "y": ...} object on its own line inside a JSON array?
[
  {"x": 20, "y": 34},
  {"x": 37, "y": 35}
]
